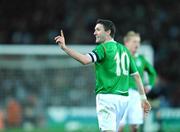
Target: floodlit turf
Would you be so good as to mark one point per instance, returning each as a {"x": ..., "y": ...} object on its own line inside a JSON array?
[
  {"x": 53, "y": 130},
  {"x": 85, "y": 129}
]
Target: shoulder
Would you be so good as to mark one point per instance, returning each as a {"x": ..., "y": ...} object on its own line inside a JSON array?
[
  {"x": 99, "y": 47},
  {"x": 120, "y": 46},
  {"x": 140, "y": 56},
  {"x": 109, "y": 45}
]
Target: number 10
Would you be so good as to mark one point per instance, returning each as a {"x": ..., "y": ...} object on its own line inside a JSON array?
[{"x": 121, "y": 63}]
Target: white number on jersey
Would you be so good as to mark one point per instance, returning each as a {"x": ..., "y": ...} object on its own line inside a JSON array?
[{"x": 121, "y": 63}]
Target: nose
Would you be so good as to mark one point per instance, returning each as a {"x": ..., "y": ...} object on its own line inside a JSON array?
[{"x": 94, "y": 32}]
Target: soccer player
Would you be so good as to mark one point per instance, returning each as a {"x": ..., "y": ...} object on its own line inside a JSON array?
[
  {"x": 113, "y": 65},
  {"x": 134, "y": 115}
]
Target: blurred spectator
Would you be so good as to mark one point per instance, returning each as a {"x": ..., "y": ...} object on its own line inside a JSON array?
[
  {"x": 14, "y": 113},
  {"x": 35, "y": 22},
  {"x": 33, "y": 112},
  {"x": 2, "y": 119}
]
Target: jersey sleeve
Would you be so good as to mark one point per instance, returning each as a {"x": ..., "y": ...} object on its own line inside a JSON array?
[
  {"x": 98, "y": 53},
  {"x": 151, "y": 72},
  {"x": 133, "y": 68}
]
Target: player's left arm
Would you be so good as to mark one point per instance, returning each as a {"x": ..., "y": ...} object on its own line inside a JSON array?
[
  {"x": 133, "y": 70},
  {"x": 145, "y": 103}
]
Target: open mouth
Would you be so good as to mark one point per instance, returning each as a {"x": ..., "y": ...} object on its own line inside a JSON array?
[{"x": 97, "y": 37}]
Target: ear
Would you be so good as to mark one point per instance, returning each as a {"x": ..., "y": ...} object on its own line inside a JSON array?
[
  {"x": 126, "y": 43},
  {"x": 108, "y": 32}
]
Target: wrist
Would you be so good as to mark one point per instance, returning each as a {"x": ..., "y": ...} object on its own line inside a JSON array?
[{"x": 64, "y": 48}]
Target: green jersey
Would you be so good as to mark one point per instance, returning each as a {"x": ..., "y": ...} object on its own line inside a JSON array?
[
  {"x": 143, "y": 65},
  {"x": 113, "y": 64}
]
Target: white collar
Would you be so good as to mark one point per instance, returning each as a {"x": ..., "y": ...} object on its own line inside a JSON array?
[
  {"x": 136, "y": 54},
  {"x": 112, "y": 40}
]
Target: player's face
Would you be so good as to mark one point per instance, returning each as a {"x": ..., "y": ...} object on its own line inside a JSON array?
[
  {"x": 100, "y": 33},
  {"x": 133, "y": 44}
]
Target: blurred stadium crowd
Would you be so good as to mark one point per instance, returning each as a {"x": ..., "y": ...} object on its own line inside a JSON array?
[
  {"x": 26, "y": 95},
  {"x": 38, "y": 21}
]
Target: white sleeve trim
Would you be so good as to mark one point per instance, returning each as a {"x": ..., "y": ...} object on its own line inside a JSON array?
[{"x": 132, "y": 74}]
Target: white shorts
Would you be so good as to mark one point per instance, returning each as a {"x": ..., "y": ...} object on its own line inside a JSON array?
[
  {"x": 134, "y": 113},
  {"x": 110, "y": 110}
]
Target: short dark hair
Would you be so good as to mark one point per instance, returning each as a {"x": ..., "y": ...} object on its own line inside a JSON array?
[{"x": 108, "y": 25}]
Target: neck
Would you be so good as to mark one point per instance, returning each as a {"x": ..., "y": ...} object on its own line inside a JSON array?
[
  {"x": 109, "y": 39},
  {"x": 132, "y": 54}
]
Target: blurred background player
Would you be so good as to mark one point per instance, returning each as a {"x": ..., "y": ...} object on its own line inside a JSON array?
[
  {"x": 134, "y": 115},
  {"x": 113, "y": 64}
]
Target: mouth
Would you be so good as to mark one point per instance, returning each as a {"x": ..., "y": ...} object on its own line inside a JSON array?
[
  {"x": 133, "y": 52},
  {"x": 97, "y": 37}
]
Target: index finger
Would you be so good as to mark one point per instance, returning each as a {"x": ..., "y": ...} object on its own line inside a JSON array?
[{"x": 62, "y": 34}]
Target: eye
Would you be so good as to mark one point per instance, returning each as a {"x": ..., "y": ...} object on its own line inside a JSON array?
[{"x": 98, "y": 29}]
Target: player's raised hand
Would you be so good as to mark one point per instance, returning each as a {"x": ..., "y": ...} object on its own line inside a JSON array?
[
  {"x": 146, "y": 106},
  {"x": 60, "y": 40}
]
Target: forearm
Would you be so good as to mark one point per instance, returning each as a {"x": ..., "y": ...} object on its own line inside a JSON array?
[
  {"x": 145, "y": 104},
  {"x": 84, "y": 59},
  {"x": 139, "y": 84}
]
